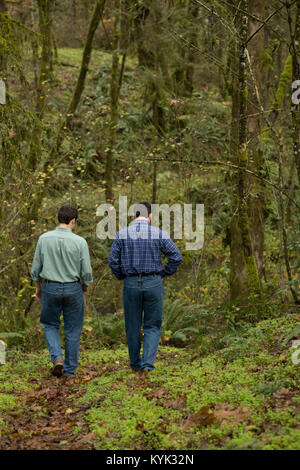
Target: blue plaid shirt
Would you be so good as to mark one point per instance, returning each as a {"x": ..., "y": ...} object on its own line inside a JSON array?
[{"x": 137, "y": 249}]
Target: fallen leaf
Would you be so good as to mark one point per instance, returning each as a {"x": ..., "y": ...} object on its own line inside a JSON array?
[
  {"x": 283, "y": 393},
  {"x": 203, "y": 417},
  {"x": 224, "y": 413}
]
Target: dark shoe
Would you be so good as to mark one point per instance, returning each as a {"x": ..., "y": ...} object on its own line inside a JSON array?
[
  {"x": 146, "y": 370},
  {"x": 58, "y": 367}
]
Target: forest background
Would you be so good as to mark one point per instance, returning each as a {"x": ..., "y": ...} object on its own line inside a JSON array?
[{"x": 174, "y": 102}]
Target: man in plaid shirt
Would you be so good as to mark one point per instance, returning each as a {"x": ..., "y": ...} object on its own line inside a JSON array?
[{"x": 135, "y": 256}]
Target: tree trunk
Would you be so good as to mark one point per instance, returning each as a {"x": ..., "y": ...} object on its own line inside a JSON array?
[
  {"x": 43, "y": 80},
  {"x": 86, "y": 56},
  {"x": 244, "y": 273},
  {"x": 295, "y": 108},
  {"x": 254, "y": 129},
  {"x": 34, "y": 44},
  {"x": 283, "y": 223},
  {"x": 44, "y": 7},
  {"x": 153, "y": 59},
  {"x": 193, "y": 10},
  {"x": 3, "y": 60},
  {"x": 238, "y": 274},
  {"x": 114, "y": 98}
]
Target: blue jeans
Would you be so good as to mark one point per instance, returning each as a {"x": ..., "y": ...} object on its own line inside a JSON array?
[
  {"x": 143, "y": 294},
  {"x": 67, "y": 299}
]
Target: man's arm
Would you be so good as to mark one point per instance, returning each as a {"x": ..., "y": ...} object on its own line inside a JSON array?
[
  {"x": 36, "y": 268},
  {"x": 86, "y": 273},
  {"x": 170, "y": 250},
  {"x": 114, "y": 259}
]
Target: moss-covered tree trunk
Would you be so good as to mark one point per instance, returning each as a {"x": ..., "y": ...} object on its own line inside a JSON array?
[
  {"x": 244, "y": 273},
  {"x": 253, "y": 282},
  {"x": 238, "y": 274},
  {"x": 193, "y": 11},
  {"x": 153, "y": 57},
  {"x": 86, "y": 57},
  {"x": 295, "y": 108},
  {"x": 254, "y": 130},
  {"x": 34, "y": 43},
  {"x": 2, "y": 113},
  {"x": 114, "y": 99},
  {"x": 283, "y": 221},
  {"x": 3, "y": 9},
  {"x": 247, "y": 222},
  {"x": 44, "y": 10}
]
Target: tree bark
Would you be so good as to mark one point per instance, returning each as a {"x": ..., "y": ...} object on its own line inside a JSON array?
[
  {"x": 114, "y": 99},
  {"x": 244, "y": 273},
  {"x": 96, "y": 16},
  {"x": 295, "y": 108},
  {"x": 43, "y": 80},
  {"x": 193, "y": 10},
  {"x": 254, "y": 129},
  {"x": 253, "y": 282},
  {"x": 153, "y": 58},
  {"x": 283, "y": 223}
]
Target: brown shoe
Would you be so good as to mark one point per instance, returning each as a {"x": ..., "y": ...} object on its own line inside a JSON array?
[{"x": 58, "y": 367}]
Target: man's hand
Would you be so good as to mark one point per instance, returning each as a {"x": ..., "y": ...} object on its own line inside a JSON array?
[
  {"x": 38, "y": 291},
  {"x": 84, "y": 288}
]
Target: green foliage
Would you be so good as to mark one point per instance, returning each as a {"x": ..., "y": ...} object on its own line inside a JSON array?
[
  {"x": 109, "y": 328},
  {"x": 244, "y": 400},
  {"x": 182, "y": 323}
]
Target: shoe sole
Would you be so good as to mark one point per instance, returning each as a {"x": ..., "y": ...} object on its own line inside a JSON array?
[{"x": 58, "y": 370}]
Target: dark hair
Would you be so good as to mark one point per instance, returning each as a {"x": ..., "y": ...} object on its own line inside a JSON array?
[
  {"x": 66, "y": 214},
  {"x": 143, "y": 209}
]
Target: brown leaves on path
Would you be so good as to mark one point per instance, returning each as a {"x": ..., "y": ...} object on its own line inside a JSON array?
[
  {"x": 220, "y": 414},
  {"x": 48, "y": 416}
]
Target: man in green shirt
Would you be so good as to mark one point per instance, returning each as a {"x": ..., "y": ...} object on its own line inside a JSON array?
[{"x": 62, "y": 259}]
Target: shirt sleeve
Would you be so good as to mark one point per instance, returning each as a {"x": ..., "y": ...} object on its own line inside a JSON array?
[
  {"x": 170, "y": 250},
  {"x": 37, "y": 264},
  {"x": 86, "y": 274},
  {"x": 114, "y": 259}
]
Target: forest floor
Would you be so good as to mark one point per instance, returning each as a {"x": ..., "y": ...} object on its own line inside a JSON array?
[{"x": 245, "y": 396}]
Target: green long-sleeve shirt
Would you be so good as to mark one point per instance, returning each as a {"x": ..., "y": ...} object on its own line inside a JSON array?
[{"x": 62, "y": 256}]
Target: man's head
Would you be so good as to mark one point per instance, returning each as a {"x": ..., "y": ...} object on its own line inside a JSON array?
[
  {"x": 143, "y": 209},
  {"x": 67, "y": 215}
]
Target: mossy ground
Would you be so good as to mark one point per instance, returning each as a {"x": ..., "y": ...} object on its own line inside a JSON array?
[{"x": 243, "y": 397}]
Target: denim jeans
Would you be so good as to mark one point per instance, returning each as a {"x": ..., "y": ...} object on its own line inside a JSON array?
[
  {"x": 66, "y": 299},
  {"x": 143, "y": 294}
]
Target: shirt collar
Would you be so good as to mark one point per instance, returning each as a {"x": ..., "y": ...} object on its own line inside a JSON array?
[
  {"x": 63, "y": 228},
  {"x": 140, "y": 219}
]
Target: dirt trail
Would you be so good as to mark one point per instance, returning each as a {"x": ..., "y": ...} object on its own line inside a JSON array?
[{"x": 50, "y": 415}]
